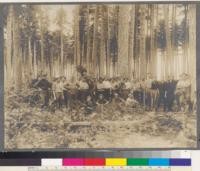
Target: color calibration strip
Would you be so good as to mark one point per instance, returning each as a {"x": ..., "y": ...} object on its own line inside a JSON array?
[
  {"x": 117, "y": 162},
  {"x": 98, "y": 162}
]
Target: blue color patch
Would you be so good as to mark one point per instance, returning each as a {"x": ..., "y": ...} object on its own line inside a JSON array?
[
  {"x": 158, "y": 162},
  {"x": 180, "y": 162}
]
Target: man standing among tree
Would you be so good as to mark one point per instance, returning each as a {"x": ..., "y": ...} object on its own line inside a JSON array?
[
  {"x": 148, "y": 87},
  {"x": 45, "y": 86},
  {"x": 107, "y": 88},
  {"x": 59, "y": 92},
  {"x": 83, "y": 89},
  {"x": 161, "y": 85},
  {"x": 170, "y": 96}
]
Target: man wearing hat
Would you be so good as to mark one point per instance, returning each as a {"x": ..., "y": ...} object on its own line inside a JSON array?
[{"x": 45, "y": 86}]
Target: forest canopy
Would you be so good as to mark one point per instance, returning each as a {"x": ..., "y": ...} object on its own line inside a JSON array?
[{"x": 108, "y": 40}]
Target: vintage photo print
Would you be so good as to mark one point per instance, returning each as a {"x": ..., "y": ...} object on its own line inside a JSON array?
[{"x": 99, "y": 76}]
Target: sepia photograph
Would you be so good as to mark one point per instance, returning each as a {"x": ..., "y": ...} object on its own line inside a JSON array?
[{"x": 104, "y": 75}]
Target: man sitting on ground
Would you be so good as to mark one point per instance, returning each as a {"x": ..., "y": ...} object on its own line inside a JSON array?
[{"x": 131, "y": 102}]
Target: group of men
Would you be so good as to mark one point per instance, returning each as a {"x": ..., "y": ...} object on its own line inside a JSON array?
[
  {"x": 169, "y": 93},
  {"x": 91, "y": 92}
]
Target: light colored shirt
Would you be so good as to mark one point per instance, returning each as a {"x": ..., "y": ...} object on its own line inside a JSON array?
[
  {"x": 130, "y": 101},
  {"x": 148, "y": 83},
  {"x": 128, "y": 85},
  {"x": 100, "y": 86},
  {"x": 183, "y": 83},
  {"x": 59, "y": 87},
  {"x": 83, "y": 85},
  {"x": 114, "y": 84},
  {"x": 107, "y": 84}
]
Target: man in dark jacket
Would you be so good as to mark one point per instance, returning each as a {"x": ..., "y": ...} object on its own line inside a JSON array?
[
  {"x": 161, "y": 85},
  {"x": 170, "y": 89},
  {"x": 45, "y": 86}
]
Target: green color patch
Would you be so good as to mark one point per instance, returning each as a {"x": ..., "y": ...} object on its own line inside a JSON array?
[{"x": 137, "y": 162}]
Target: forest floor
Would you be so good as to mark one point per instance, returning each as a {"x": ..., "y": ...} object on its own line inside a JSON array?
[{"x": 28, "y": 127}]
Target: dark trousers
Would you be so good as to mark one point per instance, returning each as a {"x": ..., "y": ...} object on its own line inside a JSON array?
[
  {"x": 83, "y": 95},
  {"x": 162, "y": 100},
  {"x": 125, "y": 93},
  {"x": 139, "y": 96},
  {"x": 59, "y": 99},
  {"x": 170, "y": 101},
  {"x": 69, "y": 99},
  {"x": 148, "y": 99},
  {"x": 66, "y": 98},
  {"x": 46, "y": 98},
  {"x": 178, "y": 101}
]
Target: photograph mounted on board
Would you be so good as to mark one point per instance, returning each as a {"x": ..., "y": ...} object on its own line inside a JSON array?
[{"x": 99, "y": 76}]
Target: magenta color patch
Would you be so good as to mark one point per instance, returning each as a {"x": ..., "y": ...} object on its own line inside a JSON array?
[{"x": 73, "y": 162}]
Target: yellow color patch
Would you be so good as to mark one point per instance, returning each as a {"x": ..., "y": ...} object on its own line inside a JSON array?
[{"x": 116, "y": 162}]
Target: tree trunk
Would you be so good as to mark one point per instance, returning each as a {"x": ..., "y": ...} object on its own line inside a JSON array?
[
  {"x": 152, "y": 40},
  {"x": 88, "y": 42},
  {"x": 185, "y": 47},
  {"x": 174, "y": 58},
  {"x": 42, "y": 65},
  {"x": 30, "y": 56},
  {"x": 192, "y": 48},
  {"x": 168, "y": 40},
  {"x": 34, "y": 60},
  {"x": 102, "y": 46},
  {"x": 17, "y": 60},
  {"x": 131, "y": 43},
  {"x": 61, "y": 52},
  {"x": 136, "y": 43},
  {"x": 77, "y": 42},
  {"x": 9, "y": 47},
  {"x": 94, "y": 46},
  {"x": 123, "y": 40},
  {"x": 143, "y": 69},
  {"x": 108, "y": 46},
  {"x": 147, "y": 38},
  {"x": 115, "y": 41}
]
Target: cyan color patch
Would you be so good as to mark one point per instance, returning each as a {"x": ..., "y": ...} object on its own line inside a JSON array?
[{"x": 158, "y": 162}]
